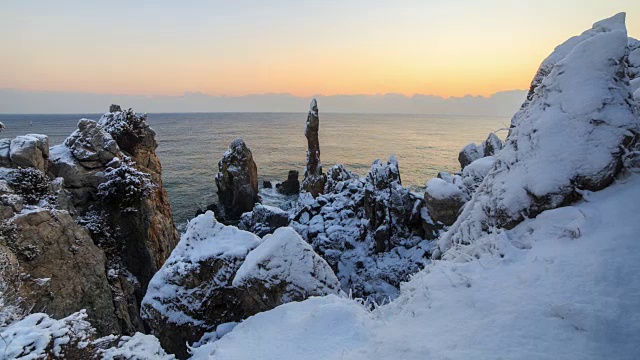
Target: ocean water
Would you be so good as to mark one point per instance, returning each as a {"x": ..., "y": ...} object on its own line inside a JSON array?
[{"x": 190, "y": 145}]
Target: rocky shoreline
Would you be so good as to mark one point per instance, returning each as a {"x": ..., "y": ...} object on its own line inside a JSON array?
[{"x": 87, "y": 233}]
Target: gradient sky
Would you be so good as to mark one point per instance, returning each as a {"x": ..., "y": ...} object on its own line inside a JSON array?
[{"x": 445, "y": 48}]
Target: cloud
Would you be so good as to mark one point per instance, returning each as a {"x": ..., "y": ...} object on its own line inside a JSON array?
[{"x": 43, "y": 102}]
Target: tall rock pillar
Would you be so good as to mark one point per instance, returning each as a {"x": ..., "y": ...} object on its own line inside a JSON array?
[{"x": 314, "y": 179}]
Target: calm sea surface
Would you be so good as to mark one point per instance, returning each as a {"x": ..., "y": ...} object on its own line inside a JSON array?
[{"x": 191, "y": 144}]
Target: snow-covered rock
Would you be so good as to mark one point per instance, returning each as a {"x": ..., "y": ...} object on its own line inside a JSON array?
[
  {"x": 567, "y": 138},
  {"x": 370, "y": 230},
  {"x": 492, "y": 145},
  {"x": 469, "y": 154},
  {"x": 30, "y": 151},
  {"x": 284, "y": 268},
  {"x": 473, "y": 175},
  {"x": 263, "y": 220},
  {"x": 38, "y": 336},
  {"x": 219, "y": 274},
  {"x": 561, "y": 286},
  {"x": 444, "y": 199},
  {"x": 91, "y": 145}
]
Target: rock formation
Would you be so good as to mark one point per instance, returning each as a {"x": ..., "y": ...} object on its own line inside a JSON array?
[
  {"x": 65, "y": 269},
  {"x": 370, "y": 230},
  {"x": 444, "y": 200},
  {"x": 219, "y": 274},
  {"x": 579, "y": 108},
  {"x": 237, "y": 181},
  {"x": 263, "y": 220},
  {"x": 472, "y": 152},
  {"x": 314, "y": 179},
  {"x": 290, "y": 186}
]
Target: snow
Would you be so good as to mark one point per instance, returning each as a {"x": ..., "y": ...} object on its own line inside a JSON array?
[
  {"x": 37, "y": 333},
  {"x": 204, "y": 239},
  {"x": 561, "y": 286},
  {"x": 138, "y": 346},
  {"x": 284, "y": 257},
  {"x": 313, "y": 107}
]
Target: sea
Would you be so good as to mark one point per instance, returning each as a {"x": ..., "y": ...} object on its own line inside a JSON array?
[{"x": 190, "y": 145}]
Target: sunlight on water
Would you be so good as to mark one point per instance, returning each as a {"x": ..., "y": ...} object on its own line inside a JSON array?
[{"x": 190, "y": 145}]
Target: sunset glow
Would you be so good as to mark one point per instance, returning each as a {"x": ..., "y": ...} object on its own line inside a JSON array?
[{"x": 252, "y": 47}]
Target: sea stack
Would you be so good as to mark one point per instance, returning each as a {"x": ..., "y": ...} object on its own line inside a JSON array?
[
  {"x": 237, "y": 181},
  {"x": 314, "y": 179}
]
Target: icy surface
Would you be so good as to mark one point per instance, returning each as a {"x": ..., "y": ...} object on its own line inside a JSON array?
[
  {"x": 561, "y": 286},
  {"x": 138, "y": 346}
]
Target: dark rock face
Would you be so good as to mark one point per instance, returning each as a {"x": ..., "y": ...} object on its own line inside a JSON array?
[
  {"x": 292, "y": 185},
  {"x": 267, "y": 184},
  {"x": 237, "y": 181},
  {"x": 232, "y": 274},
  {"x": 314, "y": 179},
  {"x": 136, "y": 235},
  {"x": 263, "y": 220},
  {"x": 444, "y": 200},
  {"x": 370, "y": 230}
]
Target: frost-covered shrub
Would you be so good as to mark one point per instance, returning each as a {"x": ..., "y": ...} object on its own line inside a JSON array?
[
  {"x": 102, "y": 232},
  {"x": 10, "y": 310},
  {"x": 123, "y": 125},
  {"x": 30, "y": 183},
  {"x": 125, "y": 187}
]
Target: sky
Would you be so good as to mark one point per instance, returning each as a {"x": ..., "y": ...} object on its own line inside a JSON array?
[{"x": 303, "y": 48}]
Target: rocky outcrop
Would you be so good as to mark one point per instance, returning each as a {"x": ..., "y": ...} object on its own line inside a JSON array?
[
  {"x": 237, "y": 181},
  {"x": 114, "y": 180},
  {"x": 26, "y": 151},
  {"x": 581, "y": 108},
  {"x": 492, "y": 145},
  {"x": 263, "y": 220},
  {"x": 371, "y": 230},
  {"x": 314, "y": 180},
  {"x": 219, "y": 274},
  {"x": 290, "y": 186}
]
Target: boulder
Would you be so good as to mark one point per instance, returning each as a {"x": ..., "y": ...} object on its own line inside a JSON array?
[
  {"x": 314, "y": 180},
  {"x": 266, "y": 184},
  {"x": 444, "y": 200},
  {"x": 568, "y": 136},
  {"x": 263, "y": 220},
  {"x": 492, "y": 145},
  {"x": 196, "y": 290},
  {"x": 290, "y": 186},
  {"x": 237, "y": 180},
  {"x": 30, "y": 151},
  {"x": 469, "y": 154}
]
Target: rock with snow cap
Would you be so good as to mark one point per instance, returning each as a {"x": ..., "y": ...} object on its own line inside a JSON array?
[
  {"x": 578, "y": 109},
  {"x": 237, "y": 181}
]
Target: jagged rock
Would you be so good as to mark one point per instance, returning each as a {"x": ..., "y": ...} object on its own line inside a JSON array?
[
  {"x": 30, "y": 151},
  {"x": 492, "y": 145},
  {"x": 266, "y": 184},
  {"x": 263, "y": 220},
  {"x": 137, "y": 236},
  {"x": 291, "y": 185},
  {"x": 195, "y": 291},
  {"x": 444, "y": 200},
  {"x": 314, "y": 179},
  {"x": 62, "y": 270},
  {"x": 580, "y": 109},
  {"x": 5, "y": 157},
  {"x": 469, "y": 154},
  {"x": 91, "y": 145},
  {"x": 370, "y": 230},
  {"x": 237, "y": 180}
]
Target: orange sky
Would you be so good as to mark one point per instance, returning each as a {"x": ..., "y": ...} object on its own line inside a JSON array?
[{"x": 249, "y": 47}]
